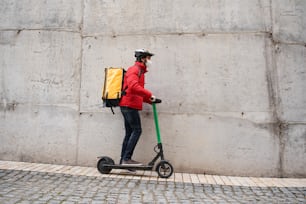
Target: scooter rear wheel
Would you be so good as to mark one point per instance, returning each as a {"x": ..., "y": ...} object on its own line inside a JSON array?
[
  {"x": 164, "y": 169},
  {"x": 101, "y": 165}
]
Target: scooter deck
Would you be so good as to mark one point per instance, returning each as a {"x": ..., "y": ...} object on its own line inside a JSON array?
[{"x": 137, "y": 167}]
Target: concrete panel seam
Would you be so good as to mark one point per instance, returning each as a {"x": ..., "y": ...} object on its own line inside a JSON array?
[
  {"x": 12, "y": 105},
  {"x": 271, "y": 18},
  {"x": 295, "y": 123},
  {"x": 273, "y": 91},
  {"x": 267, "y": 25},
  {"x": 42, "y": 29},
  {"x": 80, "y": 85},
  {"x": 282, "y": 126},
  {"x": 177, "y": 33},
  {"x": 277, "y": 41}
]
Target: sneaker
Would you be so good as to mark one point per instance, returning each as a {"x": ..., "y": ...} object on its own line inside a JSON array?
[{"x": 131, "y": 162}]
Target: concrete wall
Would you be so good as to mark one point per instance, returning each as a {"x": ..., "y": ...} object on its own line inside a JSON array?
[{"x": 231, "y": 75}]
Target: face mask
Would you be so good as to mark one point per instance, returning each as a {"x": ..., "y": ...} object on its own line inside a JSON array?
[{"x": 148, "y": 63}]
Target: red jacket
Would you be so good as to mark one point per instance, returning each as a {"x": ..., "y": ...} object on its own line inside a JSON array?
[{"x": 134, "y": 81}]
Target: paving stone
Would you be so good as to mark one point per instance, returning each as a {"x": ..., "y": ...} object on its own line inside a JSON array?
[{"x": 38, "y": 187}]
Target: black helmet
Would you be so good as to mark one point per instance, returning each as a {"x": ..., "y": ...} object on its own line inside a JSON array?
[{"x": 141, "y": 53}]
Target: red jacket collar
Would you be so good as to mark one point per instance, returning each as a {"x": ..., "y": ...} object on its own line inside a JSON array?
[{"x": 142, "y": 66}]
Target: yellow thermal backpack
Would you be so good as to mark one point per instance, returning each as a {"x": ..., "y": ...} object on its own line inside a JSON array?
[{"x": 112, "y": 89}]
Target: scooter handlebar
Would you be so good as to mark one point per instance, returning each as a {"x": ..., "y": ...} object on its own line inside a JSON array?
[{"x": 157, "y": 100}]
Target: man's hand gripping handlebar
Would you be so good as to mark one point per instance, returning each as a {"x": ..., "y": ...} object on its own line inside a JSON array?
[{"x": 155, "y": 100}]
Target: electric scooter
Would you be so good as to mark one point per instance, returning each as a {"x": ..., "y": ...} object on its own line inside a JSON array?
[{"x": 163, "y": 167}]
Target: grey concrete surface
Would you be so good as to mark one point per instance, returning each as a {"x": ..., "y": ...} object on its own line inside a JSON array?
[
  {"x": 291, "y": 74},
  {"x": 154, "y": 17},
  {"x": 57, "y": 14},
  {"x": 231, "y": 75},
  {"x": 289, "y": 21}
]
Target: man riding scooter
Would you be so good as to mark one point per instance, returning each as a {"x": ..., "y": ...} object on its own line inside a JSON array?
[{"x": 131, "y": 103}]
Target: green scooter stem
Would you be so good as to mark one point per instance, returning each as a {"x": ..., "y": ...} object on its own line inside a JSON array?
[{"x": 156, "y": 123}]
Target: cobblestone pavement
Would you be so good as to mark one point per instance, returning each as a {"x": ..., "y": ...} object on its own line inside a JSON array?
[{"x": 41, "y": 183}]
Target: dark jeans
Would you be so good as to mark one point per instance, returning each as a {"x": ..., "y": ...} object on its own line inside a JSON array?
[{"x": 132, "y": 125}]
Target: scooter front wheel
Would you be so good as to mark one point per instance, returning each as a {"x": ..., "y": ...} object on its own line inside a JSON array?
[
  {"x": 101, "y": 165},
  {"x": 164, "y": 169}
]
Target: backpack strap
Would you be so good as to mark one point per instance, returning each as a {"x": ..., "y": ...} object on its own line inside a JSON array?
[
  {"x": 140, "y": 72},
  {"x": 112, "y": 110}
]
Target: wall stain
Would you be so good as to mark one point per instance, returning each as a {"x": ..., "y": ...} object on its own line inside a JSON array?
[{"x": 8, "y": 106}]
